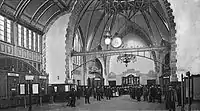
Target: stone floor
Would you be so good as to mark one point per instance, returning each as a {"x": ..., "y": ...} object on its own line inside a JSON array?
[{"x": 115, "y": 104}]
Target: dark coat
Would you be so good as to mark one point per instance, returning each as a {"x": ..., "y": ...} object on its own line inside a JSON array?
[{"x": 87, "y": 92}]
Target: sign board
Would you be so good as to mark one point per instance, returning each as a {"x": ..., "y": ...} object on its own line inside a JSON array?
[
  {"x": 42, "y": 77},
  {"x": 29, "y": 77},
  {"x": 35, "y": 88},
  {"x": 13, "y": 74},
  {"x": 22, "y": 89}
]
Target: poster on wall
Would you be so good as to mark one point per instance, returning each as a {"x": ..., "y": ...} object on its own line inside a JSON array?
[
  {"x": 196, "y": 88},
  {"x": 35, "y": 88},
  {"x": 22, "y": 89},
  {"x": 67, "y": 88}
]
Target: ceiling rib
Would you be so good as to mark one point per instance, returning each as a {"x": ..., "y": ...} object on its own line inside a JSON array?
[
  {"x": 97, "y": 26},
  {"x": 32, "y": 18},
  {"x": 148, "y": 25},
  {"x": 87, "y": 33},
  {"x": 2, "y": 3},
  {"x": 21, "y": 7},
  {"x": 160, "y": 16},
  {"x": 55, "y": 13},
  {"x": 105, "y": 27},
  {"x": 43, "y": 12},
  {"x": 140, "y": 28},
  {"x": 155, "y": 24}
]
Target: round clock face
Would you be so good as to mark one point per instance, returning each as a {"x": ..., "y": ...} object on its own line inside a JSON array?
[{"x": 116, "y": 42}]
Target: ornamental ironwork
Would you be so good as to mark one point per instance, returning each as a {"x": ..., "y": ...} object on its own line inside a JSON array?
[{"x": 126, "y": 59}]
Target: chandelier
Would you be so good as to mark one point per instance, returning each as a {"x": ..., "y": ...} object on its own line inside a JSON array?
[{"x": 126, "y": 58}]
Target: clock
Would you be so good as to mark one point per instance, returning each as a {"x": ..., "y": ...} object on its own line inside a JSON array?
[{"x": 116, "y": 42}]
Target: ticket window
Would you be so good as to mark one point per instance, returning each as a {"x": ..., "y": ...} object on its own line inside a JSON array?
[{"x": 13, "y": 86}]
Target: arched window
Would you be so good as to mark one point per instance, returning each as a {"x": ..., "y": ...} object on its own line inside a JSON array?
[{"x": 77, "y": 48}]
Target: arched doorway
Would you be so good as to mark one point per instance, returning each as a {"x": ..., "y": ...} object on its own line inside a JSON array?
[{"x": 95, "y": 77}]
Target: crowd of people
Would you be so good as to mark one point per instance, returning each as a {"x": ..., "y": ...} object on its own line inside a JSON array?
[
  {"x": 98, "y": 93},
  {"x": 146, "y": 93},
  {"x": 150, "y": 94},
  {"x": 154, "y": 93}
]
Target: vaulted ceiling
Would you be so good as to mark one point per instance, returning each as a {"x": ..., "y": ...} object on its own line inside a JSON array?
[
  {"x": 35, "y": 14},
  {"x": 147, "y": 19}
]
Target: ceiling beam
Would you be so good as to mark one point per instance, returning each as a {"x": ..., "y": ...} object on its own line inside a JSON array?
[{"x": 118, "y": 51}]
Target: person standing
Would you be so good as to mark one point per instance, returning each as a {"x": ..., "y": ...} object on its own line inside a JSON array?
[
  {"x": 73, "y": 98},
  {"x": 78, "y": 93},
  {"x": 102, "y": 92},
  {"x": 159, "y": 94},
  {"x": 145, "y": 93},
  {"x": 109, "y": 93},
  {"x": 178, "y": 90},
  {"x": 170, "y": 99},
  {"x": 87, "y": 95},
  {"x": 98, "y": 94},
  {"x": 94, "y": 93}
]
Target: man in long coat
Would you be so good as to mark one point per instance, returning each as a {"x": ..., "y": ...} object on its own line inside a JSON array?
[
  {"x": 87, "y": 95},
  {"x": 170, "y": 98},
  {"x": 73, "y": 97}
]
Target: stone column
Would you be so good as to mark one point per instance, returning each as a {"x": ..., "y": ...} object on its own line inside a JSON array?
[
  {"x": 105, "y": 73},
  {"x": 173, "y": 60},
  {"x": 84, "y": 71},
  {"x": 68, "y": 60}
]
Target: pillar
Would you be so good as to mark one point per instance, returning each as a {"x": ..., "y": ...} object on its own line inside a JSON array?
[
  {"x": 84, "y": 76},
  {"x": 68, "y": 59},
  {"x": 105, "y": 72},
  {"x": 173, "y": 60}
]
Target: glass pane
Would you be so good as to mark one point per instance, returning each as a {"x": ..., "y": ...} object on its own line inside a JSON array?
[
  {"x": 34, "y": 39},
  {"x": 8, "y": 22},
  {"x": 25, "y": 38},
  {"x": 1, "y": 37},
  {"x": 19, "y": 40},
  {"x": 2, "y": 32},
  {"x": 30, "y": 40},
  {"x": 9, "y": 37},
  {"x": 1, "y": 27},
  {"x": 8, "y": 30},
  {"x": 38, "y": 43},
  {"x": 1, "y": 17},
  {"x": 1, "y": 22},
  {"x": 19, "y": 27}
]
